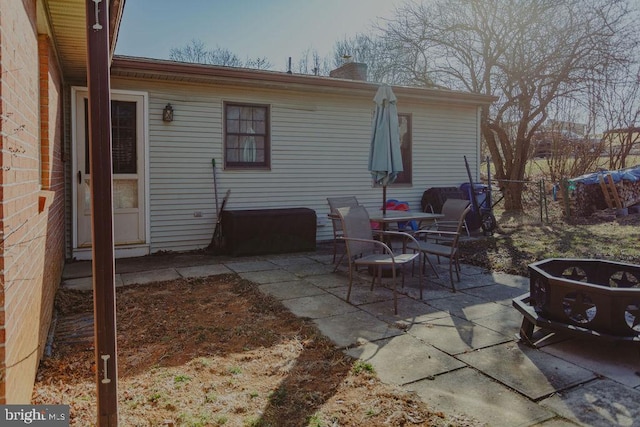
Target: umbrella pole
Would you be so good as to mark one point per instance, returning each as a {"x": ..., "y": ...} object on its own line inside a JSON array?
[{"x": 384, "y": 200}]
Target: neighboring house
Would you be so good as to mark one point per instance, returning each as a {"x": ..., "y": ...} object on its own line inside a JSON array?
[
  {"x": 563, "y": 138},
  {"x": 279, "y": 140},
  {"x": 572, "y": 130},
  {"x": 550, "y": 143}
]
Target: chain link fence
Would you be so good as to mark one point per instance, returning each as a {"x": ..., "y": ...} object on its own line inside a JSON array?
[{"x": 538, "y": 203}]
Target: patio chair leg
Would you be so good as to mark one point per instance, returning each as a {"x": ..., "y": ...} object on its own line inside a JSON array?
[
  {"x": 376, "y": 271},
  {"x": 426, "y": 259},
  {"x": 420, "y": 282},
  {"x": 451, "y": 264},
  {"x": 335, "y": 250},
  {"x": 350, "y": 283},
  {"x": 339, "y": 261},
  {"x": 395, "y": 301},
  {"x": 413, "y": 264},
  {"x": 395, "y": 294}
]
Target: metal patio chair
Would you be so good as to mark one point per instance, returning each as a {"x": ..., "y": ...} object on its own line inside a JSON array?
[
  {"x": 441, "y": 243},
  {"x": 451, "y": 209},
  {"x": 364, "y": 250},
  {"x": 334, "y": 204}
]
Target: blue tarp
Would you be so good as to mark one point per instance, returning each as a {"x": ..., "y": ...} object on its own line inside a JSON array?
[{"x": 630, "y": 174}]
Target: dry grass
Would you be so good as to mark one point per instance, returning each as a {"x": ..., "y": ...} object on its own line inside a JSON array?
[
  {"x": 214, "y": 352},
  {"x": 521, "y": 239}
]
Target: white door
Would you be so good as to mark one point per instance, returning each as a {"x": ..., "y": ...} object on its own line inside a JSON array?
[{"x": 128, "y": 149}]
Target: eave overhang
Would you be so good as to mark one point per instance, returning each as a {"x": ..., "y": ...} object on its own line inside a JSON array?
[
  {"x": 64, "y": 21},
  {"x": 171, "y": 71}
]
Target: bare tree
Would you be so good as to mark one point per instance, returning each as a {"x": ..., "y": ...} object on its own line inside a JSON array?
[
  {"x": 566, "y": 141},
  {"x": 310, "y": 62},
  {"x": 258, "y": 63},
  {"x": 617, "y": 102},
  {"x": 373, "y": 51},
  {"x": 196, "y": 51},
  {"x": 620, "y": 144},
  {"x": 527, "y": 53}
]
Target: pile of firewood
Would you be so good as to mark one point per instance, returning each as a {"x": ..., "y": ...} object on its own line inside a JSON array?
[
  {"x": 629, "y": 192},
  {"x": 586, "y": 199}
]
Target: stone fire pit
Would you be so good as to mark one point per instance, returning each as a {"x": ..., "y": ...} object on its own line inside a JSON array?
[{"x": 590, "y": 297}]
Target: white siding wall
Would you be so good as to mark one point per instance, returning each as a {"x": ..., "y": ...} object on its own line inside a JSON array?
[{"x": 319, "y": 148}]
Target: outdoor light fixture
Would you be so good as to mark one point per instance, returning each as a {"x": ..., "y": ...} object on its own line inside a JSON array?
[{"x": 167, "y": 113}]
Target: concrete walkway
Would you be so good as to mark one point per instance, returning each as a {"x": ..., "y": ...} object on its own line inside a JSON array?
[{"x": 456, "y": 351}]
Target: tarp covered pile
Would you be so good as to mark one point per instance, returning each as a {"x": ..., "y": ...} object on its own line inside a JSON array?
[{"x": 587, "y": 194}]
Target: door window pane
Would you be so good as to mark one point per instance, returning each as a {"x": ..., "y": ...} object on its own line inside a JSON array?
[
  {"x": 123, "y": 137},
  {"x": 123, "y": 134},
  {"x": 125, "y": 193}
]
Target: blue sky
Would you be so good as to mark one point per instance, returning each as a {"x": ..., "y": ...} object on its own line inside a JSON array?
[{"x": 276, "y": 29}]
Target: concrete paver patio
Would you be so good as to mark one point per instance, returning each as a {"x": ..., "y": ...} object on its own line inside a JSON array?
[{"x": 456, "y": 351}]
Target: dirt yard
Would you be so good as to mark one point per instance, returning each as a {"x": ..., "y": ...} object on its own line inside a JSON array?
[{"x": 213, "y": 352}]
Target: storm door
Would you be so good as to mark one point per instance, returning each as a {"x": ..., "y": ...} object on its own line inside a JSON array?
[{"x": 128, "y": 148}]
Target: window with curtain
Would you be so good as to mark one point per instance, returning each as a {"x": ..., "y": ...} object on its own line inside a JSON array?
[
  {"x": 246, "y": 136},
  {"x": 405, "y": 177}
]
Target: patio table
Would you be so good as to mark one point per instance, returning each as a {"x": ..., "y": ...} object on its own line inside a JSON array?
[
  {"x": 398, "y": 216},
  {"x": 391, "y": 217},
  {"x": 403, "y": 216}
]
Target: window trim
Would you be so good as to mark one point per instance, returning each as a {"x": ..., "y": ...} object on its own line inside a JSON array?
[{"x": 266, "y": 165}]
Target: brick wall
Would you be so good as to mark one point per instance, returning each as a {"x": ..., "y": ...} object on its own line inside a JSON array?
[
  {"x": 31, "y": 250},
  {"x": 52, "y": 196},
  {"x": 351, "y": 71}
]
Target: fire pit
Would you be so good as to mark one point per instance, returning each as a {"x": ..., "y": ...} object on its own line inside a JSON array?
[{"x": 590, "y": 297}]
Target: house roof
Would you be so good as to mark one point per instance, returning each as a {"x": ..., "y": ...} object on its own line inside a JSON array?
[
  {"x": 157, "y": 69},
  {"x": 64, "y": 21}
]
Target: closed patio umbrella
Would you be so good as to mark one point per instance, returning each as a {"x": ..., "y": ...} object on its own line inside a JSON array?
[{"x": 385, "y": 159}]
